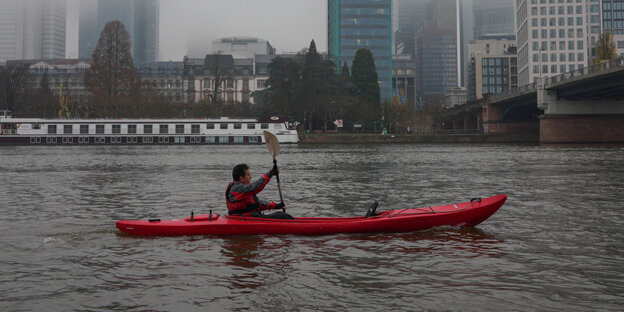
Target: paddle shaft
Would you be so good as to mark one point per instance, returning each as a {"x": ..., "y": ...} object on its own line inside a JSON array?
[{"x": 279, "y": 188}]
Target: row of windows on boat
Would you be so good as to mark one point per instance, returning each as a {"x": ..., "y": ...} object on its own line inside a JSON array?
[
  {"x": 146, "y": 140},
  {"x": 149, "y": 129}
]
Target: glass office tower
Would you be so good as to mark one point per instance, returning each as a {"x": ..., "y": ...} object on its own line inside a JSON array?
[{"x": 355, "y": 24}]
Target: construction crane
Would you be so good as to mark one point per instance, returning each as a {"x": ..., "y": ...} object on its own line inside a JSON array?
[{"x": 63, "y": 104}]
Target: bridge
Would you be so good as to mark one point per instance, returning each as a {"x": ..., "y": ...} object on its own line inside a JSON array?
[{"x": 581, "y": 106}]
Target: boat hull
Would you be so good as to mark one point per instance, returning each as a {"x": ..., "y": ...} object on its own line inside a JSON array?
[{"x": 406, "y": 220}]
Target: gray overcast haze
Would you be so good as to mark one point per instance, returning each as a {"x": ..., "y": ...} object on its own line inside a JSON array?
[{"x": 191, "y": 25}]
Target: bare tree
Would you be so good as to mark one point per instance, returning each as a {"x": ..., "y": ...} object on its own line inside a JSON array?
[
  {"x": 14, "y": 87},
  {"x": 221, "y": 73},
  {"x": 112, "y": 78}
]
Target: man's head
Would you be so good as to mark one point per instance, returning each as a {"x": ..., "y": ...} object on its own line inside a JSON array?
[{"x": 241, "y": 173}]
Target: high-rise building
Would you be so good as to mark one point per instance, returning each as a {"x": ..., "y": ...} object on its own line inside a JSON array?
[
  {"x": 242, "y": 46},
  {"x": 493, "y": 17},
  {"x": 404, "y": 90},
  {"x": 407, "y": 16},
  {"x": 554, "y": 38},
  {"x": 32, "y": 29},
  {"x": 355, "y": 24},
  {"x": 437, "y": 49},
  {"x": 140, "y": 18},
  {"x": 612, "y": 20},
  {"x": 88, "y": 32}
]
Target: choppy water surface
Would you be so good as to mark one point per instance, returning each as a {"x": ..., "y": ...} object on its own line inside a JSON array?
[{"x": 557, "y": 244}]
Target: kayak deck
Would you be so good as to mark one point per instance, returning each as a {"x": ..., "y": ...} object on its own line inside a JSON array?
[{"x": 404, "y": 220}]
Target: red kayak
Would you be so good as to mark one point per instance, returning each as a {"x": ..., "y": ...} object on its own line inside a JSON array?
[{"x": 403, "y": 220}]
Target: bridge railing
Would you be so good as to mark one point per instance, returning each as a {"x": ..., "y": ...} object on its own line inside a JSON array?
[
  {"x": 515, "y": 91},
  {"x": 596, "y": 68}
]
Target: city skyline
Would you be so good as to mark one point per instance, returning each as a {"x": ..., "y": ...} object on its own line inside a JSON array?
[{"x": 183, "y": 30}]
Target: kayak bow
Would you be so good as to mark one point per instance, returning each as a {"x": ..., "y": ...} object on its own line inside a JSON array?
[{"x": 403, "y": 220}]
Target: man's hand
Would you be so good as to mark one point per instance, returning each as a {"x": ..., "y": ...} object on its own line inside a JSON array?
[
  {"x": 280, "y": 206},
  {"x": 275, "y": 170}
]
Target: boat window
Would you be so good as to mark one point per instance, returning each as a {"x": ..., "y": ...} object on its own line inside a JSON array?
[
  {"x": 210, "y": 139},
  {"x": 179, "y": 129},
  {"x": 36, "y": 126},
  {"x": 99, "y": 129},
  {"x": 238, "y": 139},
  {"x": 223, "y": 126},
  {"x": 253, "y": 139},
  {"x": 251, "y": 126},
  {"x": 51, "y": 129},
  {"x": 277, "y": 126},
  {"x": 84, "y": 129},
  {"x": 238, "y": 126},
  {"x": 132, "y": 129},
  {"x": 164, "y": 129},
  {"x": 224, "y": 139},
  {"x": 68, "y": 129},
  {"x": 116, "y": 129},
  {"x": 210, "y": 126},
  {"x": 195, "y": 129},
  {"x": 147, "y": 129},
  {"x": 264, "y": 126}
]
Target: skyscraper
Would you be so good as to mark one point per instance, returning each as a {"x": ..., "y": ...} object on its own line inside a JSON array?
[
  {"x": 437, "y": 49},
  {"x": 407, "y": 17},
  {"x": 140, "y": 17},
  {"x": 493, "y": 17},
  {"x": 32, "y": 29},
  {"x": 355, "y": 24},
  {"x": 612, "y": 20}
]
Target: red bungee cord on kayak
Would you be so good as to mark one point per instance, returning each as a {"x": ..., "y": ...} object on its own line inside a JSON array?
[{"x": 241, "y": 193}]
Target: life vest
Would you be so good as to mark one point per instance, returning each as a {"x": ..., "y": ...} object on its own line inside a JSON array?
[{"x": 242, "y": 206}]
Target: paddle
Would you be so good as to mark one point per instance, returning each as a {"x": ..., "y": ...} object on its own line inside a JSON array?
[{"x": 274, "y": 149}]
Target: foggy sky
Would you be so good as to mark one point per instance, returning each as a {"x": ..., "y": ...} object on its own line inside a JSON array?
[{"x": 185, "y": 25}]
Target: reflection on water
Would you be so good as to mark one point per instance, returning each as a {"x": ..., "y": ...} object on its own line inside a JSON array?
[{"x": 556, "y": 244}]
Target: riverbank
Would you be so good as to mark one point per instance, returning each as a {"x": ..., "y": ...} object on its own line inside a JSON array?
[{"x": 347, "y": 138}]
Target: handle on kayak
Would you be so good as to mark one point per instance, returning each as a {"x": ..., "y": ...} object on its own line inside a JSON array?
[{"x": 279, "y": 188}]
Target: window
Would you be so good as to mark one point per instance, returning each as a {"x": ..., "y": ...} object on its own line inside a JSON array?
[
  {"x": 251, "y": 126},
  {"x": 210, "y": 126},
  {"x": 571, "y": 57},
  {"x": 99, "y": 129},
  {"x": 264, "y": 126},
  {"x": 246, "y": 83},
  {"x": 238, "y": 126},
  {"x": 68, "y": 129},
  {"x": 195, "y": 129},
  {"x": 116, "y": 129},
  {"x": 230, "y": 83},
  {"x": 164, "y": 129},
  {"x": 84, "y": 129},
  {"x": 51, "y": 129},
  {"x": 179, "y": 129},
  {"x": 562, "y": 69},
  {"x": 223, "y": 126},
  {"x": 147, "y": 129},
  {"x": 261, "y": 83},
  {"x": 580, "y": 57},
  {"x": 132, "y": 129}
]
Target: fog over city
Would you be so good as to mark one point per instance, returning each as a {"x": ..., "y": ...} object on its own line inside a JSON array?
[{"x": 189, "y": 26}]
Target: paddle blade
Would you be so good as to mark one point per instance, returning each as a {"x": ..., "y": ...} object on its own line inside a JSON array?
[{"x": 272, "y": 143}]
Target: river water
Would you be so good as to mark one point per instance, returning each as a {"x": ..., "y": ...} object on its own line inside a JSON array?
[{"x": 556, "y": 245}]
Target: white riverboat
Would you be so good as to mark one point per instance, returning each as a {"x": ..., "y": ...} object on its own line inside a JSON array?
[{"x": 224, "y": 130}]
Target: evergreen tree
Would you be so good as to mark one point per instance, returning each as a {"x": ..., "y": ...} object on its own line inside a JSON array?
[{"x": 366, "y": 85}]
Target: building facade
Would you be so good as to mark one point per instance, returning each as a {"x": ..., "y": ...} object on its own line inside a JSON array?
[
  {"x": 437, "y": 49},
  {"x": 404, "y": 90},
  {"x": 163, "y": 80},
  {"x": 454, "y": 96},
  {"x": 493, "y": 17},
  {"x": 355, "y": 24},
  {"x": 613, "y": 21},
  {"x": 242, "y": 46},
  {"x": 243, "y": 77},
  {"x": 407, "y": 17},
  {"x": 492, "y": 68},
  {"x": 32, "y": 29},
  {"x": 555, "y": 37}
]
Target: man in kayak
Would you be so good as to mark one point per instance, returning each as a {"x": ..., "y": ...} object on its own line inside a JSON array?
[{"x": 241, "y": 195}]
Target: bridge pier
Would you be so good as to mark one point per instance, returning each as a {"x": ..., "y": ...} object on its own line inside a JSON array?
[{"x": 579, "y": 120}]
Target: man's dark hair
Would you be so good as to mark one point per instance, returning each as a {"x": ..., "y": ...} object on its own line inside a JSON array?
[{"x": 239, "y": 171}]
